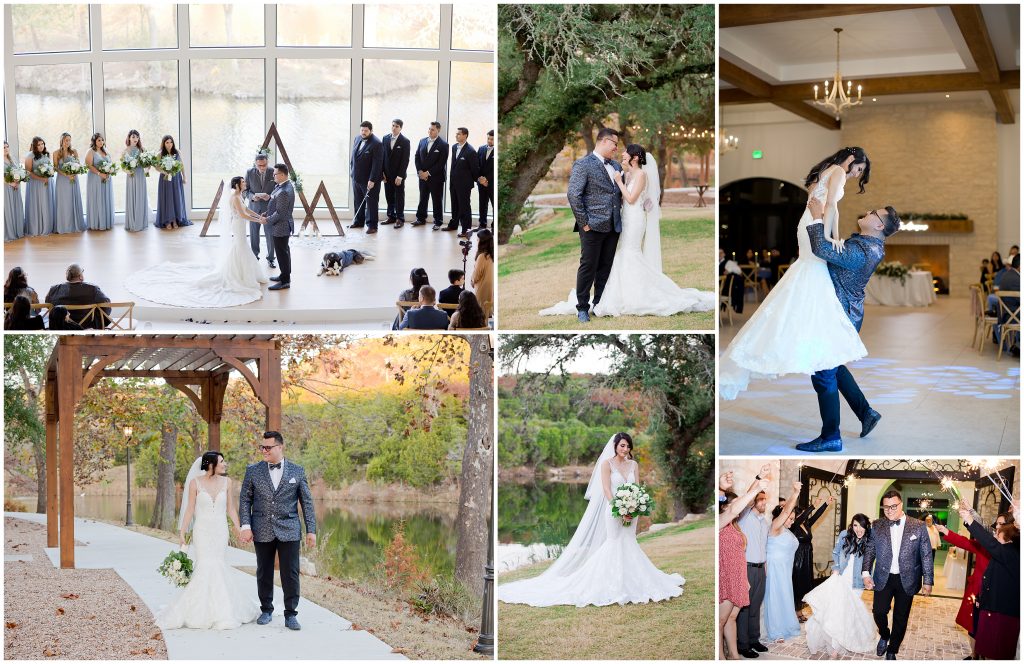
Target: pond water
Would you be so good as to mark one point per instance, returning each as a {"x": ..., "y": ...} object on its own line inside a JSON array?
[
  {"x": 536, "y": 520},
  {"x": 357, "y": 531}
]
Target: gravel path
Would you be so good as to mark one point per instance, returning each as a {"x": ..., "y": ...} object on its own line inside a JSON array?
[{"x": 69, "y": 614}]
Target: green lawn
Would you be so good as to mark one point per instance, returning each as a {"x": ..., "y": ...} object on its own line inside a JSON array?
[
  {"x": 679, "y": 628},
  {"x": 542, "y": 270}
]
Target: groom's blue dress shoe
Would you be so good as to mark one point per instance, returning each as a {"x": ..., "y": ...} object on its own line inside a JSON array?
[
  {"x": 882, "y": 645},
  {"x": 291, "y": 622},
  {"x": 869, "y": 422},
  {"x": 819, "y": 445},
  {"x": 583, "y": 316},
  {"x": 264, "y": 618}
]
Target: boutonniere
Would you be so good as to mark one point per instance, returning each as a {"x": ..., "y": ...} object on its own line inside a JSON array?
[{"x": 291, "y": 481}]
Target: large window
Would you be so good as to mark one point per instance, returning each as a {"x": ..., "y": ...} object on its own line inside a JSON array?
[{"x": 215, "y": 76}]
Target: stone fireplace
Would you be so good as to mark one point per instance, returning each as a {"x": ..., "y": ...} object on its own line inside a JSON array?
[{"x": 929, "y": 256}]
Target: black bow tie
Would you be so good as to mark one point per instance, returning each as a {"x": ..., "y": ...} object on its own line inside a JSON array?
[
  {"x": 607, "y": 162},
  {"x": 275, "y": 466},
  {"x": 895, "y": 523}
]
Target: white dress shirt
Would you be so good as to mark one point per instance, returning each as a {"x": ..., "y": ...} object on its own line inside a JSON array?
[
  {"x": 607, "y": 167},
  {"x": 896, "y": 540},
  {"x": 430, "y": 144}
]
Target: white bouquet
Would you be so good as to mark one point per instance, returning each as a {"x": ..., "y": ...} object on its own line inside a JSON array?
[
  {"x": 14, "y": 174},
  {"x": 149, "y": 158},
  {"x": 108, "y": 167},
  {"x": 176, "y": 568},
  {"x": 130, "y": 163},
  {"x": 170, "y": 166},
  {"x": 73, "y": 167},
  {"x": 630, "y": 501},
  {"x": 44, "y": 169}
]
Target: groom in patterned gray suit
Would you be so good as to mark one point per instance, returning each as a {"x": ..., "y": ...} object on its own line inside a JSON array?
[
  {"x": 268, "y": 509},
  {"x": 596, "y": 203},
  {"x": 901, "y": 552}
]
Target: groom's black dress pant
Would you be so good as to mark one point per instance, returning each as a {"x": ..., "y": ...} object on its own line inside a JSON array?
[
  {"x": 829, "y": 384},
  {"x": 892, "y": 594},
  {"x": 597, "y": 250},
  {"x": 265, "y": 554},
  {"x": 284, "y": 258}
]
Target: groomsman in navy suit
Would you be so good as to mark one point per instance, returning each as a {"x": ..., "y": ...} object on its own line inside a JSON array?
[
  {"x": 396, "y": 163},
  {"x": 465, "y": 171},
  {"x": 431, "y": 159},
  {"x": 367, "y": 168},
  {"x": 485, "y": 182}
]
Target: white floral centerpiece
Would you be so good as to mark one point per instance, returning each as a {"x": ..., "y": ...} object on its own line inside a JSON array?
[
  {"x": 894, "y": 269},
  {"x": 631, "y": 501}
]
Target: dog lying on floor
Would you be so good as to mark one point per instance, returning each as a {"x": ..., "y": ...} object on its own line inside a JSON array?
[{"x": 334, "y": 262}]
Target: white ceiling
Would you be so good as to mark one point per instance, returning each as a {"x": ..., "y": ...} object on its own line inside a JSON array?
[{"x": 907, "y": 42}]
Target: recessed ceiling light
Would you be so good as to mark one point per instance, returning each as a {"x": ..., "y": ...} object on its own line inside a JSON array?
[
  {"x": 874, "y": 99},
  {"x": 947, "y": 96}
]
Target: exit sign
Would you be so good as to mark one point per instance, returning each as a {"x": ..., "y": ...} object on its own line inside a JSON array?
[{"x": 757, "y": 154}]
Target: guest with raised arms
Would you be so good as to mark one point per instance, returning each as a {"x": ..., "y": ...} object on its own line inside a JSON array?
[
  {"x": 431, "y": 160},
  {"x": 396, "y": 163},
  {"x": 259, "y": 185},
  {"x": 38, "y": 192},
  {"x": 366, "y": 164},
  {"x": 485, "y": 180},
  {"x": 68, "y": 216},
  {"x": 171, "y": 211},
  {"x": 14, "y": 209},
  {"x": 101, "y": 185},
  {"x": 136, "y": 206}
]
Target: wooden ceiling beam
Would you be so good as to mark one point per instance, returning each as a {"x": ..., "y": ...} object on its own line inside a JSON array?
[
  {"x": 761, "y": 90},
  {"x": 1004, "y": 107},
  {"x": 735, "y": 16},
  {"x": 972, "y": 26},
  {"x": 810, "y": 113}
]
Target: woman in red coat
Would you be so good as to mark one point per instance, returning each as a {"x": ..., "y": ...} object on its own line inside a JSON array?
[{"x": 965, "y": 616}]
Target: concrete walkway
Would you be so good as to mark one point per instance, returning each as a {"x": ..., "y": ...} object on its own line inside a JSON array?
[{"x": 135, "y": 557}]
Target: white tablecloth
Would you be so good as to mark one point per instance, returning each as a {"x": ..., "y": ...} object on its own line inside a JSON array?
[
  {"x": 916, "y": 292},
  {"x": 955, "y": 570}
]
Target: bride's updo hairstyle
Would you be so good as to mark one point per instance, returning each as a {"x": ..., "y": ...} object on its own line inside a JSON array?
[
  {"x": 634, "y": 150},
  {"x": 622, "y": 435},
  {"x": 211, "y": 459},
  {"x": 859, "y": 157},
  {"x": 236, "y": 182}
]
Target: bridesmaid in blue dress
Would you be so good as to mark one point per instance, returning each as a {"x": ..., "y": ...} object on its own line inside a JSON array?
[
  {"x": 38, "y": 193},
  {"x": 14, "y": 211},
  {"x": 101, "y": 186},
  {"x": 136, "y": 205},
  {"x": 67, "y": 207},
  {"x": 170, "y": 203},
  {"x": 780, "y": 621}
]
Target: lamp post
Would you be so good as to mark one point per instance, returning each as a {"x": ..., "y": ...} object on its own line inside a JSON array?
[{"x": 128, "y": 450}]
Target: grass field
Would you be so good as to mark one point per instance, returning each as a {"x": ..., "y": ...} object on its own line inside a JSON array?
[
  {"x": 542, "y": 271},
  {"x": 679, "y": 628}
]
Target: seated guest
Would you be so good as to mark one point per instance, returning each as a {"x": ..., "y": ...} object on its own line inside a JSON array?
[
  {"x": 469, "y": 314},
  {"x": 986, "y": 271},
  {"x": 733, "y": 283},
  {"x": 426, "y": 316},
  {"x": 450, "y": 295},
  {"x": 17, "y": 284},
  {"x": 1009, "y": 280},
  {"x": 20, "y": 316},
  {"x": 60, "y": 319},
  {"x": 418, "y": 279},
  {"x": 77, "y": 291}
]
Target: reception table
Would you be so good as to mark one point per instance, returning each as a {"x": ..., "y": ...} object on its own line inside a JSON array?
[{"x": 917, "y": 291}]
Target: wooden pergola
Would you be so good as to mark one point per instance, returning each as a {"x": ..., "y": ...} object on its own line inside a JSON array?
[{"x": 197, "y": 365}]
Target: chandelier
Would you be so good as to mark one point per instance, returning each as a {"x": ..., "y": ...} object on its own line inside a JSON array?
[
  {"x": 836, "y": 99},
  {"x": 727, "y": 142}
]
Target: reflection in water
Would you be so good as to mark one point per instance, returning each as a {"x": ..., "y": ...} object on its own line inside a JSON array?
[
  {"x": 357, "y": 532},
  {"x": 540, "y": 512}
]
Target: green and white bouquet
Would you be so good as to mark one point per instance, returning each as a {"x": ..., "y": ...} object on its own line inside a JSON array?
[
  {"x": 894, "y": 269},
  {"x": 149, "y": 158},
  {"x": 176, "y": 568},
  {"x": 72, "y": 168},
  {"x": 130, "y": 162},
  {"x": 170, "y": 166},
  {"x": 631, "y": 501},
  {"x": 16, "y": 173},
  {"x": 44, "y": 169},
  {"x": 108, "y": 168}
]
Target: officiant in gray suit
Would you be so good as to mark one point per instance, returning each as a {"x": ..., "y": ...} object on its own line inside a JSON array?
[
  {"x": 259, "y": 184},
  {"x": 268, "y": 507}
]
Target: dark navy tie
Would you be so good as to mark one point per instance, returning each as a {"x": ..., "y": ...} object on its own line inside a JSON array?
[
  {"x": 275, "y": 466},
  {"x": 895, "y": 523}
]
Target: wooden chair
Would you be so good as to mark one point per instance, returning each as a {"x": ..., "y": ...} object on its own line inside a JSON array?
[
  {"x": 783, "y": 268},
  {"x": 725, "y": 296},
  {"x": 982, "y": 322},
  {"x": 1012, "y": 323},
  {"x": 750, "y": 279},
  {"x": 113, "y": 320}
]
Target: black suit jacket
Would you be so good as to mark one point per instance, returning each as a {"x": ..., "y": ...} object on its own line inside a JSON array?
[
  {"x": 396, "y": 159},
  {"x": 424, "y": 318},
  {"x": 367, "y": 164},
  {"x": 79, "y": 292},
  {"x": 465, "y": 167},
  {"x": 435, "y": 161},
  {"x": 486, "y": 164}
]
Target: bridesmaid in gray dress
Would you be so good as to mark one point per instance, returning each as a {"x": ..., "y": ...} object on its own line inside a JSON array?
[
  {"x": 67, "y": 207},
  {"x": 171, "y": 211},
  {"x": 14, "y": 211},
  {"x": 38, "y": 193},
  {"x": 136, "y": 207},
  {"x": 101, "y": 187}
]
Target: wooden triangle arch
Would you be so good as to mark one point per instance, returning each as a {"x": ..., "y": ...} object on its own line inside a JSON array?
[{"x": 309, "y": 209}]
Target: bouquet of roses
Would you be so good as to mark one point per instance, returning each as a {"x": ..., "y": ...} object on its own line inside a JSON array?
[
  {"x": 14, "y": 174},
  {"x": 176, "y": 568},
  {"x": 149, "y": 158},
  {"x": 44, "y": 169},
  {"x": 108, "y": 168},
  {"x": 130, "y": 163},
  {"x": 630, "y": 501},
  {"x": 73, "y": 167},
  {"x": 170, "y": 166}
]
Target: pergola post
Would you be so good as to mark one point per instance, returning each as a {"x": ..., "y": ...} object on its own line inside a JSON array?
[
  {"x": 216, "y": 386},
  {"x": 272, "y": 379},
  {"x": 52, "y": 527},
  {"x": 69, "y": 380}
]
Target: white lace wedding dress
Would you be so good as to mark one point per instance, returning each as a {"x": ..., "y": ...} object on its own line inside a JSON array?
[
  {"x": 213, "y": 598},
  {"x": 840, "y": 623},
  {"x": 636, "y": 284},
  {"x": 801, "y": 327},
  {"x": 601, "y": 565},
  {"x": 237, "y": 278}
]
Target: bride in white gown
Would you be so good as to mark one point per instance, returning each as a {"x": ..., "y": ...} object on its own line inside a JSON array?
[
  {"x": 237, "y": 279},
  {"x": 214, "y": 598},
  {"x": 602, "y": 564},
  {"x": 801, "y": 327},
  {"x": 636, "y": 284}
]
